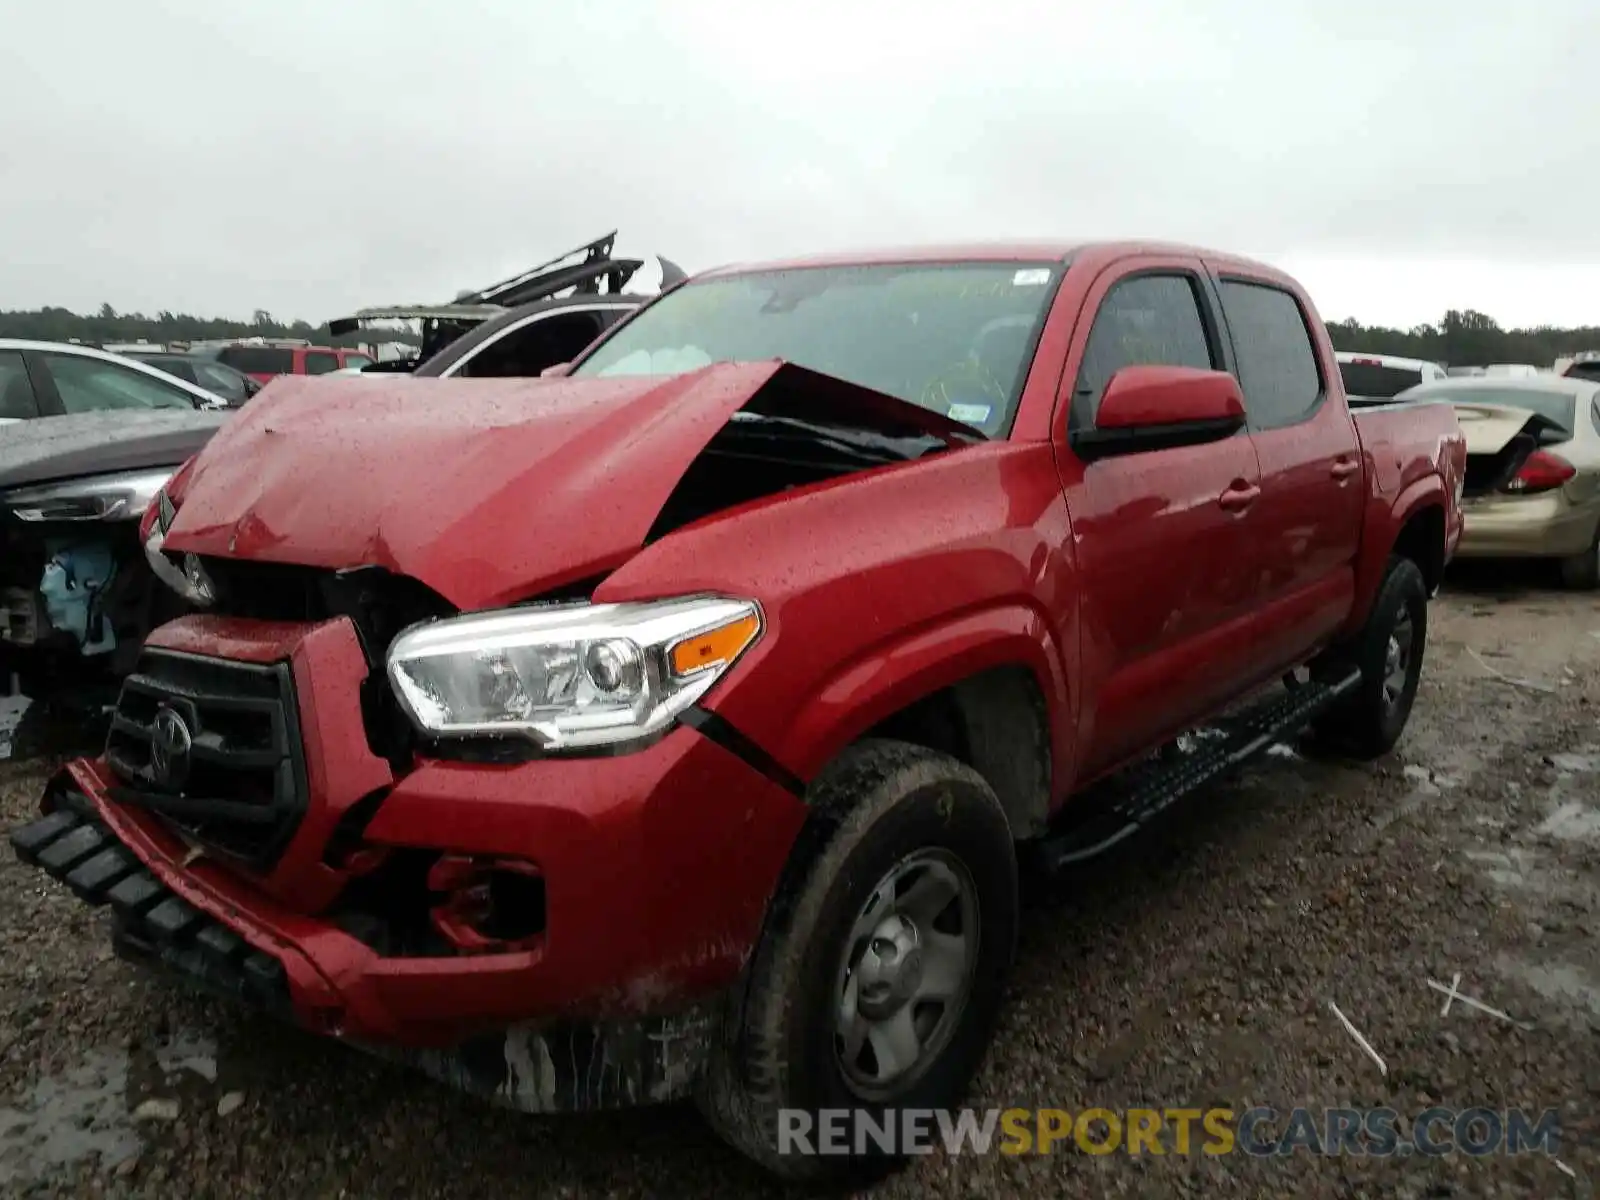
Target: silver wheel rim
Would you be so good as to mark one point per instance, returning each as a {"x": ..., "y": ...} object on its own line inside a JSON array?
[
  {"x": 1397, "y": 659},
  {"x": 906, "y": 973}
]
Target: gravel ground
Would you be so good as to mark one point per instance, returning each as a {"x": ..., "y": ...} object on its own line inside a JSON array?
[{"x": 1194, "y": 969}]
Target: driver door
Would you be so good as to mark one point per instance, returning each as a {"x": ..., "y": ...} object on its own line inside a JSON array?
[{"x": 1165, "y": 562}]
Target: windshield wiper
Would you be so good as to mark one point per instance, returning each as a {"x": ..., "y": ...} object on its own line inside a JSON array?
[{"x": 864, "y": 447}]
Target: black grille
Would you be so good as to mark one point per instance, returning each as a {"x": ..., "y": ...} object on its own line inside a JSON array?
[{"x": 241, "y": 788}]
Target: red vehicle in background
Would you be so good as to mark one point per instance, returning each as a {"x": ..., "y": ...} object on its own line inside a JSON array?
[
  {"x": 676, "y": 725},
  {"x": 264, "y": 360}
]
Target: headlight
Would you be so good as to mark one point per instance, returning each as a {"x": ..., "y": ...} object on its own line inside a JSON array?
[
  {"x": 122, "y": 497},
  {"x": 569, "y": 676},
  {"x": 191, "y": 581}
]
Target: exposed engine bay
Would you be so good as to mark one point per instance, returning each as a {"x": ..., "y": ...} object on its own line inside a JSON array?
[
  {"x": 75, "y": 602},
  {"x": 76, "y": 594},
  {"x": 791, "y": 428}
]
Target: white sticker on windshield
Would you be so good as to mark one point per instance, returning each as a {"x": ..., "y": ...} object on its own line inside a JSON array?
[
  {"x": 970, "y": 414},
  {"x": 1031, "y": 277}
]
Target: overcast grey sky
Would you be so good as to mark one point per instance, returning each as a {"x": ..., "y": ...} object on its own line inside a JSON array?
[{"x": 307, "y": 157}]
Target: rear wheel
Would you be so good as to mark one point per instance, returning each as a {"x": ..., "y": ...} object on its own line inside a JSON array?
[
  {"x": 879, "y": 978},
  {"x": 1388, "y": 652},
  {"x": 1581, "y": 572}
]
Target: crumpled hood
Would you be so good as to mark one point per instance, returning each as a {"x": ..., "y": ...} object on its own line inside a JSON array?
[
  {"x": 48, "y": 449},
  {"x": 486, "y": 490}
]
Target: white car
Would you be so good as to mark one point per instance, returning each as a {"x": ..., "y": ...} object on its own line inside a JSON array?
[
  {"x": 48, "y": 379},
  {"x": 1382, "y": 377}
]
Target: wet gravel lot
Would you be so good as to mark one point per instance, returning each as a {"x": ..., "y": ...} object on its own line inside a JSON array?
[{"x": 1195, "y": 968}]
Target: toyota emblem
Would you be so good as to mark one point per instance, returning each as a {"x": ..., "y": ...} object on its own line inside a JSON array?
[{"x": 170, "y": 743}]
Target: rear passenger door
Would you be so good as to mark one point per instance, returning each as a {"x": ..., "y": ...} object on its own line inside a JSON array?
[
  {"x": 1166, "y": 565},
  {"x": 1307, "y": 525}
]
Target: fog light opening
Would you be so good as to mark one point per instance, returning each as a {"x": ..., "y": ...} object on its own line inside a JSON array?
[{"x": 490, "y": 904}]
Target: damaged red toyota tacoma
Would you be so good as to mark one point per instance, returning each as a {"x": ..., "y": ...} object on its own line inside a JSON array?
[{"x": 675, "y": 726}]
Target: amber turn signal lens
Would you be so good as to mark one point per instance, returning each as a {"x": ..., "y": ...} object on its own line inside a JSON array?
[{"x": 714, "y": 647}]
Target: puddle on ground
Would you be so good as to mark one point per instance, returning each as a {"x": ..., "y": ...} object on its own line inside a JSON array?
[
  {"x": 187, "y": 1051},
  {"x": 81, "y": 1113},
  {"x": 1572, "y": 822},
  {"x": 1561, "y": 983},
  {"x": 1426, "y": 784},
  {"x": 1576, "y": 764},
  {"x": 86, "y": 1111},
  {"x": 11, "y": 710},
  {"x": 1522, "y": 869}
]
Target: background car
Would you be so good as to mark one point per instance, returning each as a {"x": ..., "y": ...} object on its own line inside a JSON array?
[
  {"x": 580, "y": 274},
  {"x": 262, "y": 360},
  {"x": 531, "y": 338},
  {"x": 218, "y": 378},
  {"x": 88, "y": 438},
  {"x": 1583, "y": 365},
  {"x": 1532, "y": 486},
  {"x": 520, "y": 342},
  {"x": 45, "y": 379},
  {"x": 1382, "y": 377}
]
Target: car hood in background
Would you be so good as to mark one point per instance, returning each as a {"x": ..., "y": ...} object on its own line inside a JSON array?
[{"x": 69, "y": 447}]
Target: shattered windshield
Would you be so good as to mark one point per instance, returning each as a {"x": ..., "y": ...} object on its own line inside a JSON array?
[{"x": 954, "y": 338}]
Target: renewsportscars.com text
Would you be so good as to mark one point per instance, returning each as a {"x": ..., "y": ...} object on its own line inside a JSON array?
[{"x": 1259, "y": 1132}]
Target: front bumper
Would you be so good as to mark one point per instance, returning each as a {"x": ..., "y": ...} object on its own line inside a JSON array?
[
  {"x": 658, "y": 866},
  {"x": 564, "y": 1066},
  {"x": 1546, "y": 526}
]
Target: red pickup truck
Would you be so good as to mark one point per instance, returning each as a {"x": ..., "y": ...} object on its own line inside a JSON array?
[{"x": 674, "y": 726}]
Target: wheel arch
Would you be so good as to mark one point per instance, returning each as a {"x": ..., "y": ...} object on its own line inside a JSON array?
[
  {"x": 1412, "y": 527},
  {"x": 1421, "y": 538},
  {"x": 988, "y": 688}
]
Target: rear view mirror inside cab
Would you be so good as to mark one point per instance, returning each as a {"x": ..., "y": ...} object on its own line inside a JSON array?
[{"x": 1158, "y": 407}]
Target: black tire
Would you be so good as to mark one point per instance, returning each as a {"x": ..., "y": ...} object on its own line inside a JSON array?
[
  {"x": 1370, "y": 721},
  {"x": 1581, "y": 572},
  {"x": 879, "y": 805}
]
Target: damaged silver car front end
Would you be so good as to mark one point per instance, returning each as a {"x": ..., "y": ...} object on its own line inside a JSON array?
[{"x": 74, "y": 598}]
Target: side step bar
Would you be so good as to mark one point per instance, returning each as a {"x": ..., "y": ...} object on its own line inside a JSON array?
[{"x": 1142, "y": 793}]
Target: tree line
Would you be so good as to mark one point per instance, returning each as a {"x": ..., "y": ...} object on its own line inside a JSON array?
[
  {"x": 1460, "y": 338},
  {"x": 108, "y": 325},
  {"x": 1466, "y": 339}
]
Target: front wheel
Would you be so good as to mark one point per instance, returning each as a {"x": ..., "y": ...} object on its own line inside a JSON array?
[
  {"x": 878, "y": 980},
  {"x": 1388, "y": 652}
]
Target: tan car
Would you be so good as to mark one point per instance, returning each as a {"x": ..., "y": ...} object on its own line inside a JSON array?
[{"x": 1533, "y": 468}]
